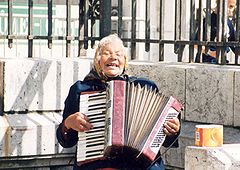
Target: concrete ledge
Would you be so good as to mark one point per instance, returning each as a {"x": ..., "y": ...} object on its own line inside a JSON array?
[
  {"x": 206, "y": 158},
  {"x": 45, "y": 162}
]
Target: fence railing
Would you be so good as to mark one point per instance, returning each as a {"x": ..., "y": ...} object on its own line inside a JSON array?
[{"x": 138, "y": 23}]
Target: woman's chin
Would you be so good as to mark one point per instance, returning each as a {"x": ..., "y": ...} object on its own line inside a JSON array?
[{"x": 113, "y": 74}]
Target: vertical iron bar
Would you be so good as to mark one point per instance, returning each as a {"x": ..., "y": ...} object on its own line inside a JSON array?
[
  {"x": 92, "y": 29},
  {"x": 237, "y": 35},
  {"x": 207, "y": 24},
  {"x": 176, "y": 24},
  {"x": 68, "y": 26},
  {"x": 224, "y": 30},
  {"x": 105, "y": 17},
  {"x": 30, "y": 28},
  {"x": 200, "y": 32},
  {"x": 219, "y": 27},
  {"x": 147, "y": 26},
  {"x": 133, "y": 29},
  {"x": 180, "y": 54},
  {"x": 50, "y": 23},
  {"x": 10, "y": 20},
  {"x": 93, "y": 20},
  {"x": 192, "y": 30},
  {"x": 120, "y": 15},
  {"x": 161, "y": 45},
  {"x": 80, "y": 25},
  {"x": 177, "y": 29},
  {"x": 86, "y": 12}
]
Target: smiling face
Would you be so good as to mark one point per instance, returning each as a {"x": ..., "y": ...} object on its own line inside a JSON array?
[{"x": 112, "y": 60}]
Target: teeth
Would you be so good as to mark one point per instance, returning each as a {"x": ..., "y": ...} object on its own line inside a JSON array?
[{"x": 111, "y": 65}]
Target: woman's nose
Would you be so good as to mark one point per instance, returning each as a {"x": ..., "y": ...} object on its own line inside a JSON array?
[{"x": 113, "y": 55}]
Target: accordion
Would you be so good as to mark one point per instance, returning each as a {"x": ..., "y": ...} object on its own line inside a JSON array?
[{"x": 127, "y": 121}]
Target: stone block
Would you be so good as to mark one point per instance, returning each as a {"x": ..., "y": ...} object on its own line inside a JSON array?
[
  {"x": 42, "y": 162},
  {"x": 208, "y": 158},
  {"x": 236, "y": 108},
  {"x": 30, "y": 134},
  {"x": 209, "y": 94},
  {"x": 38, "y": 84},
  {"x": 1, "y": 85},
  {"x": 169, "y": 77}
]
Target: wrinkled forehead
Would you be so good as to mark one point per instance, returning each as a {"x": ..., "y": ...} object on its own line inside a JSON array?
[{"x": 113, "y": 46}]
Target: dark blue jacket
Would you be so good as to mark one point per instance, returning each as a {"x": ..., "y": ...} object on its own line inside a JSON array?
[{"x": 72, "y": 106}]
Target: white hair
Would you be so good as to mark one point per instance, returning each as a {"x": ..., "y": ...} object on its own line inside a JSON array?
[{"x": 113, "y": 38}]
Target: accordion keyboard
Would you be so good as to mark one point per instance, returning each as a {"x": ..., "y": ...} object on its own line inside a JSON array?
[{"x": 91, "y": 143}]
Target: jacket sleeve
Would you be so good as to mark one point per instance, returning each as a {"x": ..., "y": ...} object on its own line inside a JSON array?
[{"x": 68, "y": 138}]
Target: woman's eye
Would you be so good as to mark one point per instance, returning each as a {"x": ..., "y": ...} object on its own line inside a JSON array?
[{"x": 106, "y": 53}]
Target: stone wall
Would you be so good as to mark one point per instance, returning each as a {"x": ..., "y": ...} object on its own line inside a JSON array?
[
  {"x": 32, "y": 98},
  {"x": 207, "y": 158}
]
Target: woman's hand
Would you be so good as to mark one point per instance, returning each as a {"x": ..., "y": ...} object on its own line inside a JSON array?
[
  {"x": 172, "y": 127},
  {"x": 78, "y": 122}
]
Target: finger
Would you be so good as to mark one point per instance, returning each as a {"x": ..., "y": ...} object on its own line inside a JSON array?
[
  {"x": 169, "y": 130},
  {"x": 86, "y": 124},
  {"x": 166, "y": 131},
  {"x": 85, "y": 117},
  {"x": 80, "y": 122},
  {"x": 174, "y": 121},
  {"x": 83, "y": 120},
  {"x": 82, "y": 128},
  {"x": 174, "y": 124},
  {"x": 167, "y": 127},
  {"x": 170, "y": 125}
]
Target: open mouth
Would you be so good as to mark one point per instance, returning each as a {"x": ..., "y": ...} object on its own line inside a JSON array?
[{"x": 111, "y": 65}]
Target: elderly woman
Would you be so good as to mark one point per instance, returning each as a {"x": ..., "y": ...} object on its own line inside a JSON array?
[{"x": 109, "y": 64}]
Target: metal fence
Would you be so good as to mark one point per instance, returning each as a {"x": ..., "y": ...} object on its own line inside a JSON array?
[{"x": 93, "y": 19}]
